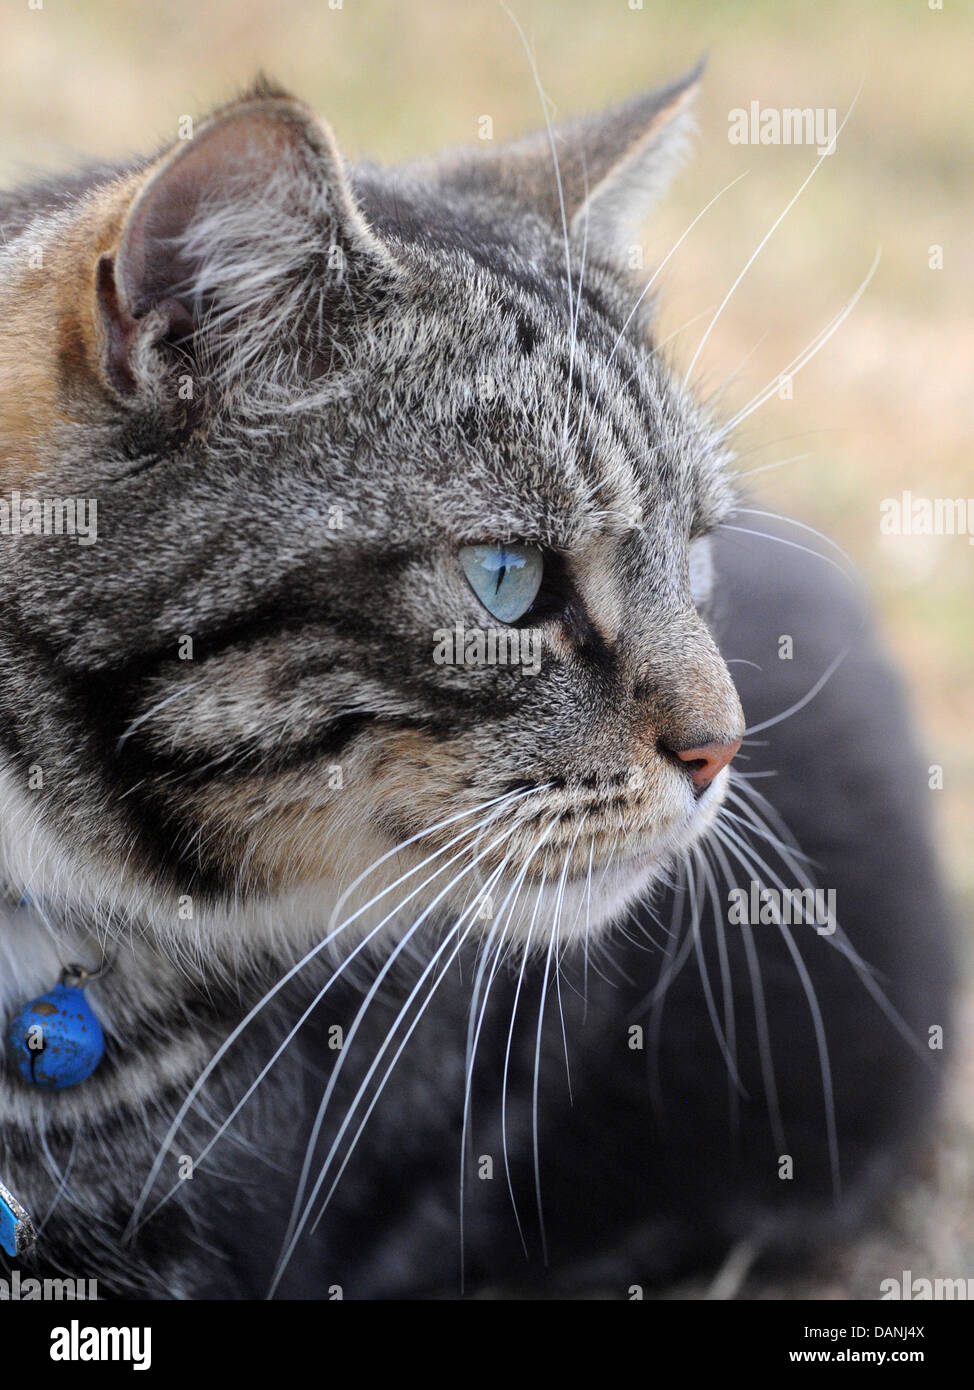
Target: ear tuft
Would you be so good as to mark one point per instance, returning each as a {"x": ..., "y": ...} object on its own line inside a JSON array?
[{"x": 264, "y": 88}]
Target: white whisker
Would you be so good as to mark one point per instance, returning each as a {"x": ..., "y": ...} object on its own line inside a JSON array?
[{"x": 767, "y": 237}]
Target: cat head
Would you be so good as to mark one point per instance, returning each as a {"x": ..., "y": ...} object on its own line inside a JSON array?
[{"x": 401, "y": 563}]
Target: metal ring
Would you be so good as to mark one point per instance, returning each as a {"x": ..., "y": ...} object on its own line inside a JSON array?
[
  {"x": 106, "y": 964},
  {"x": 76, "y": 975}
]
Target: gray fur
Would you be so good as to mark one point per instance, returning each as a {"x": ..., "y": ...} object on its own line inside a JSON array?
[{"x": 440, "y": 382}]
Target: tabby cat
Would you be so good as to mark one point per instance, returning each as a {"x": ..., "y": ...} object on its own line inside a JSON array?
[{"x": 374, "y": 757}]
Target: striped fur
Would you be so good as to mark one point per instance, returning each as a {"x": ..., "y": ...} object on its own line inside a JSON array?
[{"x": 296, "y": 390}]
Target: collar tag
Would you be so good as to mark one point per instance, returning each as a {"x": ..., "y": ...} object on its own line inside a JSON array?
[{"x": 17, "y": 1233}]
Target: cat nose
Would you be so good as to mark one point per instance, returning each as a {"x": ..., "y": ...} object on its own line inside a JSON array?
[{"x": 705, "y": 761}]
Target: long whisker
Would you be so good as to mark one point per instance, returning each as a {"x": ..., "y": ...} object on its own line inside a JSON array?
[
  {"x": 403, "y": 1012},
  {"x": 760, "y": 1007},
  {"x": 298, "y": 1222},
  {"x": 677, "y": 954},
  {"x": 695, "y": 914},
  {"x": 801, "y": 526},
  {"x": 730, "y": 1021},
  {"x": 792, "y": 545},
  {"x": 290, "y": 974},
  {"x": 496, "y": 875},
  {"x": 588, "y": 927},
  {"x": 526, "y": 949},
  {"x": 388, "y": 1073},
  {"x": 652, "y": 280},
  {"x": 818, "y": 1025},
  {"x": 473, "y": 1037},
  {"x": 767, "y": 237},
  {"x": 332, "y": 979},
  {"x": 838, "y": 940},
  {"x": 301, "y": 1217},
  {"x": 535, "y": 1139},
  {"x": 797, "y": 364},
  {"x": 552, "y": 943},
  {"x": 752, "y": 821},
  {"x": 806, "y": 699},
  {"x": 556, "y": 929},
  {"x": 492, "y": 955},
  {"x": 766, "y": 467},
  {"x": 542, "y": 95},
  {"x": 60, "y": 1177}
]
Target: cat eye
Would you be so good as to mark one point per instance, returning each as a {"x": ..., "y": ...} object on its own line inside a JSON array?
[{"x": 506, "y": 578}]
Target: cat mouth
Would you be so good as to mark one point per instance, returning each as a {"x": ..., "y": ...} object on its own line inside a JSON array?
[
  {"x": 590, "y": 854},
  {"x": 602, "y": 840},
  {"x": 525, "y": 869}
]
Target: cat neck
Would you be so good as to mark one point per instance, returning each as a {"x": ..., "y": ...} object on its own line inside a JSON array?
[{"x": 40, "y": 939}]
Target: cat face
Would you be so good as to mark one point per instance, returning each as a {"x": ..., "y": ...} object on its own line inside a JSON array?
[{"x": 401, "y": 536}]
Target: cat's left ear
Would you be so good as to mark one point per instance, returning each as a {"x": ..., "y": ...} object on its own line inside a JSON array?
[
  {"x": 237, "y": 237},
  {"x": 611, "y": 167}
]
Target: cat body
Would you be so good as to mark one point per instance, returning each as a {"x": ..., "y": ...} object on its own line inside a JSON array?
[{"x": 452, "y": 947}]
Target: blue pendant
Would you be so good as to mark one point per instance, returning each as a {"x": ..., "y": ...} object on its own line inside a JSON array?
[
  {"x": 16, "y": 1227},
  {"x": 57, "y": 1041}
]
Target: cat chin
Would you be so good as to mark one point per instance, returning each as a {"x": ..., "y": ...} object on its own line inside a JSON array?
[{"x": 574, "y": 911}]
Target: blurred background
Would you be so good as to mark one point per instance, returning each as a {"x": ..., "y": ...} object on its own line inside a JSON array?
[{"x": 887, "y": 406}]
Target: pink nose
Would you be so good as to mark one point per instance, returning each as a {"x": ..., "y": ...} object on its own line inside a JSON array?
[{"x": 705, "y": 762}]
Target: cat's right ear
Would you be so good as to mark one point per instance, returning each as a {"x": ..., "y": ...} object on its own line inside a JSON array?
[
  {"x": 231, "y": 243},
  {"x": 596, "y": 178}
]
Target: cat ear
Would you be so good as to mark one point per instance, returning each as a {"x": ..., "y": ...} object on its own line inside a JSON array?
[
  {"x": 235, "y": 237},
  {"x": 653, "y": 134},
  {"x": 612, "y": 166}
]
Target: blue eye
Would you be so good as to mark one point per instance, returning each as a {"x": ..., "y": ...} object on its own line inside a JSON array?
[{"x": 506, "y": 578}]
